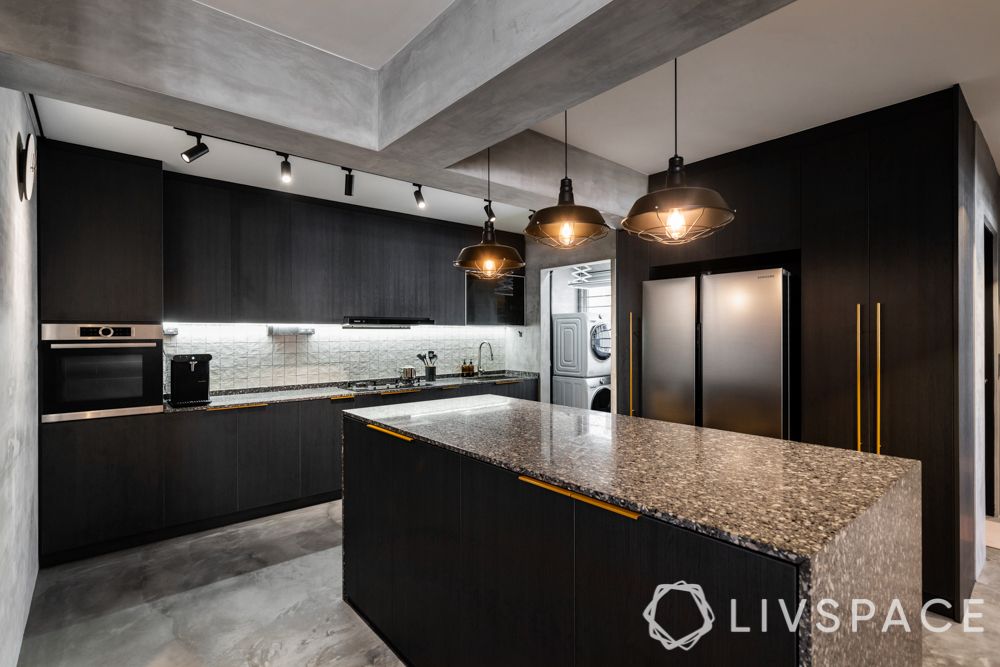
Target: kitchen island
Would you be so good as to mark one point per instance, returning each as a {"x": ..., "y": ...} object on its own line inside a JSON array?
[{"x": 490, "y": 530}]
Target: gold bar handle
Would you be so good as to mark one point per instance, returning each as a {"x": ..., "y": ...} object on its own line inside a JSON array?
[
  {"x": 506, "y": 382},
  {"x": 878, "y": 378},
  {"x": 237, "y": 407},
  {"x": 398, "y": 391},
  {"x": 342, "y": 397},
  {"x": 388, "y": 432},
  {"x": 631, "y": 410},
  {"x": 579, "y": 496},
  {"x": 857, "y": 345}
]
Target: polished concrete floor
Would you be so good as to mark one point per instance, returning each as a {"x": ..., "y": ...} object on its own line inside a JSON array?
[{"x": 266, "y": 593}]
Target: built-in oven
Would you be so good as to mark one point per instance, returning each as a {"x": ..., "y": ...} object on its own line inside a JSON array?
[{"x": 100, "y": 370}]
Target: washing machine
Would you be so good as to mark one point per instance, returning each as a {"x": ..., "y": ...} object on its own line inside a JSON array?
[
  {"x": 586, "y": 393},
  {"x": 581, "y": 346}
]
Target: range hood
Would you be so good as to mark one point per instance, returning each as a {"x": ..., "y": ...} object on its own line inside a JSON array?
[{"x": 362, "y": 322}]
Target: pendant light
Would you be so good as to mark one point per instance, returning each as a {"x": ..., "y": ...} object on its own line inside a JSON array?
[
  {"x": 678, "y": 213},
  {"x": 489, "y": 260},
  {"x": 566, "y": 225}
]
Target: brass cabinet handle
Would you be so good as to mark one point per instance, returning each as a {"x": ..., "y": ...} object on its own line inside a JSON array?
[
  {"x": 344, "y": 397},
  {"x": 878, "y": 378},
  {"x": 857, "y": 345},
  {"x": 388, "y": 432},
  {"x": 506, "y": 382},
  {"x": 631, "y": 411},
  {"x": 399, "y": 391},
  {"x": 579, "y": 496},
  {"x": 237, "y": 407},
  {"x": 451, "y": 386}
]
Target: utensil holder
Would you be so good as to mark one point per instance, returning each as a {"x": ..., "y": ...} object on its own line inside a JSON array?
[{"x": 430, "y": 373}]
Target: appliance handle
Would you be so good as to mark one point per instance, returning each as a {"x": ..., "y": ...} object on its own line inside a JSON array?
[
  {"x": 90, "y": 346},
  {"x": 857, "y": 348},
  {"x": 878, "y": 377}
]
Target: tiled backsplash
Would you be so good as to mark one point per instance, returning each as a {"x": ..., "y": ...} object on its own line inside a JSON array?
[{"x": 244, "y": 356}]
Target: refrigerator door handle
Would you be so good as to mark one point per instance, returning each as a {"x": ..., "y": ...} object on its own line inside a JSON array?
[{"x": 857, "y": 346}]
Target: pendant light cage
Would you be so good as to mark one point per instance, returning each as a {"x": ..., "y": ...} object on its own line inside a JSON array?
[
  {"x": 679, "y": 213},
  {"x": 566, "y": 225},
  {"x": 489, "y": 260}
]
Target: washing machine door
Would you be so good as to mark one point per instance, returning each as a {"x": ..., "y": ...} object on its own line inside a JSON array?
[
  {"x": 600, "y": 341},
  {"x": 601, "y": 400}
]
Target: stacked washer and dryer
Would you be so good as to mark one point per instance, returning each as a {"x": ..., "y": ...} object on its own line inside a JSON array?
[{"x": 581, "y": 361}]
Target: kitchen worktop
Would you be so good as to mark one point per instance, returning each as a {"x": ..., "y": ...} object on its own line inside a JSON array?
[
  {"x": 250, "y": 397},
  {"x": 784, "y": 498}
]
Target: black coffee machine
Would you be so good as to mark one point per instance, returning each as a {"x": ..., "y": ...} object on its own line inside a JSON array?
[{"x": 189, "y": 379}]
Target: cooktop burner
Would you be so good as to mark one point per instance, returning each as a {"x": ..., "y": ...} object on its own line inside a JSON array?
[{"x": 384, "y": 386}]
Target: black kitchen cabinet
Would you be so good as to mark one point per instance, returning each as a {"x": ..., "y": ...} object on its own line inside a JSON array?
[
  {"x": 368, "y": 521},
  {"x": 100, "y": 236},
  {"x": 99, "y": 480},
  {"x": 199, "y": 464},
  {"x": 425, "y": 553},
  {"x": 835, "y": 303},
  {"x": 619, "y": 563},
  {"x": 262, "y": 256},
  {"x": 269, "y": 456},
  {"x": 495, "y": 301},
  {"x": 517, "y": 573},
  {"x": 320, "y": 432},
  {"x": 197, "y": 250}
]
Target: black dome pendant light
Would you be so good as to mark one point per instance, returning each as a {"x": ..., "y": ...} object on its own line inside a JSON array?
[
  {"x": 566, "y": 225},
  {"x": 489, "y": 260},
  {"x": 678, "y": 213}
]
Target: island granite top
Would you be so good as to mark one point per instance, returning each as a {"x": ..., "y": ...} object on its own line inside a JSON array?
[{"x": 780, "y": 497}]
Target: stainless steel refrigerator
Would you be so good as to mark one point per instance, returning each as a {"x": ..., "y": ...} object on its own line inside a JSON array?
[{"x": 715, "y": 351}]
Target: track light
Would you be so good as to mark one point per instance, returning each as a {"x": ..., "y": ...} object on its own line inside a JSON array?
[
  {"x": 490, "y": 215},
  {"x": 418, "y": 195},
  {"x": 286, "y": 168},
  {"x": 196, "y": 151},
  {"x": 348, "y": 182}
]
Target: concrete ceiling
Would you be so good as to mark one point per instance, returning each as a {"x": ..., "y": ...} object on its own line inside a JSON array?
[
  {"x": 252, "y": 166},
  {"x": 368, "y": 32},
  {"x": 806, "y": 64}
]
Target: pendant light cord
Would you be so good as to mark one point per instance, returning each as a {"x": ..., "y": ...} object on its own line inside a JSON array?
[
  {"x": 565, "y": 143},
  {"x": 675, "y": 107},
  {"x": 488, "y": 192}
]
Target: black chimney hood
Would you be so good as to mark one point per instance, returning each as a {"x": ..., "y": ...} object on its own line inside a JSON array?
[{"x": 362, "y": 322}]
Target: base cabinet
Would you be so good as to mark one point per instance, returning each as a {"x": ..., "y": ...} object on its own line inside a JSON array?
[
  {"x": 268, "y": 463},
  {"x": 199, "y": 466},
  {"x": 454, "y": 561}
]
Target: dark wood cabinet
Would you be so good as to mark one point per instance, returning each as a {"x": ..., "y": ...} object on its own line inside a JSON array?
[
  {"x": 321, "y": 424},
  {"x": 269, "y": 455},
  {"x": 495, "y": 301},
  {"x": 619, "y": 563},
  {"x": 99, "y": 480},
  {"x": 199, "y": 463},
  {"x": 262, "y": 256},
  {"x": 517, "y": 572},
  {"x": 197, "y": 250},
  {"x": 100, "y": 236}
]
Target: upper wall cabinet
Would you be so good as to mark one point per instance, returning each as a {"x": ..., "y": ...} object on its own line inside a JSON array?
[
  {"x": 100, "y": 236},
  {"x": 235, "y": 253}
]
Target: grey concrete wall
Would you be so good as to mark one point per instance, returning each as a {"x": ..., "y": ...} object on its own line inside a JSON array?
[{"x": 19, "y": 387}]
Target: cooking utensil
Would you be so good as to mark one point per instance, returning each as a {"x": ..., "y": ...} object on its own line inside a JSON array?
[
  {"x": 432, "y": 355},
  {"x": 423, "y": 358}
]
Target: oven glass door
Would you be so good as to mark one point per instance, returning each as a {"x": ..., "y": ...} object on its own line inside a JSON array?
[{"x": 87, "y": 377}]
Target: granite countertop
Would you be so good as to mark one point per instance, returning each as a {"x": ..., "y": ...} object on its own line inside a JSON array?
[
  {"x": 784, "y": 498},
  {"x": 244, "y": 398}
]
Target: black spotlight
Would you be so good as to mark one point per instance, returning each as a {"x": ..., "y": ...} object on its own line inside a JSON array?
[
  {"x": 490, "y": 215},
  {"x": 196, "y": 151},
  {"x": 418, "y": 195},
  {"x": 286, "y": 168},
  {"x": 348, "y": 182}
]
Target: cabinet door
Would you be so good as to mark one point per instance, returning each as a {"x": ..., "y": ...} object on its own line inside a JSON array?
[
  {"x": 100, "y": 236},
  {"x": 495, "y": 301},
  {"x": 425, "y": 554},
  {"x": 199, "y": 458},
  {"x": 620, "y": 562},
  {"x": 913, "y": 240},
  {"x": 262, "y": 255},
  {"x": 268, "y": 443},
  {"x": 368, "y": 521},
  {"x": 197, "y": 249},
  {"x": 309, "y": 294},
  {"x": 834, "y": 285},
  {"x": 99, "y": 480},
  {"x": 517, "y": 570},
  {"x": 320, "y": 429}
]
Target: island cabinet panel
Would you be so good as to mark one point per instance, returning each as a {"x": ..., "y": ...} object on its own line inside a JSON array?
[
  {"x": 197, "y": 250},
  {"x": 269, "y": 456},
  {"x": 100, "y": 236},
  {"x": 368, "y": 523},
  {"x": 199, "y": 463},
  {"x": 100, "y": 480},
  {"x": 517, "y": 570},
  {"x": 619, "y": 563},
  {"x": 321, "y": 426}
]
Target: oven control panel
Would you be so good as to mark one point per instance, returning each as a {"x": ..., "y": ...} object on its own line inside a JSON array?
[{"x": 106, "y": 331}]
